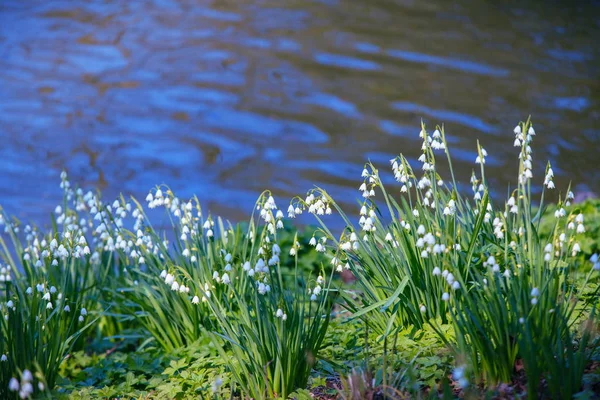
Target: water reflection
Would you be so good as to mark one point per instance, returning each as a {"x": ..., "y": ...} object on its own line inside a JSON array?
[{"x": 224, "y": 99}]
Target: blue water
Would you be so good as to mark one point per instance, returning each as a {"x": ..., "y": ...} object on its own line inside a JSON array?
[{"x": 225, "y": 99}]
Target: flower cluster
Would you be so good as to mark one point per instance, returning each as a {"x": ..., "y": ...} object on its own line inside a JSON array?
[
  {"x": 523, "y": 140},
  {"x": 25, "y": 387}
]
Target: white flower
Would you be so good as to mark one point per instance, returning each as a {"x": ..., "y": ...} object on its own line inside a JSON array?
[
  {"x": 279, "y": 313},
  {"x": 262, "y": 288},
  {"x": 455, "y": 285},
  {"x": 67, "y": 308},
  {"x": 13, "y": 385},
  {"x": 195, "y": 300},
  {"x": 535, "y": 292},
  {"x": 27, "y": 376},
  {"x": 217, "y": 384},
  {"x": 459, "y": 376},
  {"x": 83, "y": 311},
  {"x": 3, "y": 358},
  {"x": 534, "y": 301},
  {"x": 436, "y": 271},
  {"x": 445, "y": 296},
  {"x": 423, "y": 309},
  {"x": 225, "y": 278}
]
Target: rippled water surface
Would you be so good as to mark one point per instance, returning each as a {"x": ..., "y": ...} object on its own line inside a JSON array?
[{"x": 225, "y": 99}]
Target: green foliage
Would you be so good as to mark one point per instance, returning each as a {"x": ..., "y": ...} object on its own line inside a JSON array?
[
  {"x": 588, "y": 241},
  {"x": 274, "y": 325},
  {"x": 149, "y": 372},
  {"x": 510, "y": 293},
  {"x": 48, "y": 283},
  {"x": 450, "y": 297}
]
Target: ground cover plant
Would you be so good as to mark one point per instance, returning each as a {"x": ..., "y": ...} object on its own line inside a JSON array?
[{"x": 431, "y": 293}]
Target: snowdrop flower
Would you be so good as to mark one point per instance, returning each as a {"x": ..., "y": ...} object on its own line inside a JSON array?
[
  {"x": 576, "y": 249},
  {"x": 535, "y": 292},
  {"x": 317, "y": 290},
  {"x": 80, "y": 319},
  {"x": 49, "y": 306},
  {"x": 445, "y": 296},
  {"x": 595, "y": 261},
  {"x": 13, "y": 385},
  {"x": 225, "y": 278},
  {"x": 262, "y": 288},
  {"x": 436, "y": 271},
  {"x": 3, "y": 358},
  {"x": 67, "y": 308},
  {"x": 27, "y": 376},
  {"x": 195, "y": 300},
  {"x": 455, "y": 285},
  {"x": 83, "y": 312},
  {"x": 459, "y": 376},
  {"x": 279, "y": 313},
  {"x": 216, "y": 385}
]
